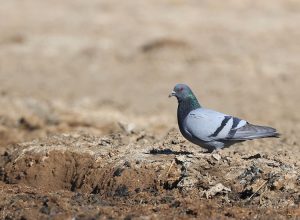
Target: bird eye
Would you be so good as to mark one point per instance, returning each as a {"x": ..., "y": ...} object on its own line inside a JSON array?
[{"x": 181, "y": 89}]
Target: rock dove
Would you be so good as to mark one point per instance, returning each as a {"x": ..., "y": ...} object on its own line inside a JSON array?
[{"x": 210, "y": 129}]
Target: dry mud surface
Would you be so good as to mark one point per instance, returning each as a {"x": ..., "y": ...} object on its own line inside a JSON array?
[{"x": 87, "y": 130}]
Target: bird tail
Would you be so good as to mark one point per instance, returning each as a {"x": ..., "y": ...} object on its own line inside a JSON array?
[{"x": 250, "y": 131}]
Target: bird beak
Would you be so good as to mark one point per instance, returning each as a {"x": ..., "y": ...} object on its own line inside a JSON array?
[{"x": 173, "y": 93}]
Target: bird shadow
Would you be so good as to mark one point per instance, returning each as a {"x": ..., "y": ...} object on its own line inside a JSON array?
[{"x": 167, "y": 152}]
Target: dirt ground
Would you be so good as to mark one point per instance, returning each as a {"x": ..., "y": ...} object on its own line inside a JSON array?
[{"x": 86, "y": 127}]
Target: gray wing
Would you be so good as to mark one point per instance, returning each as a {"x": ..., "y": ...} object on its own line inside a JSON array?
[
  {"x": 250, "y": 131},
  {"x": 209, "y": 125}
]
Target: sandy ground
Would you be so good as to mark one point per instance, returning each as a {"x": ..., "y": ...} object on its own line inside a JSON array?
[{"x": 87, "y": 130}]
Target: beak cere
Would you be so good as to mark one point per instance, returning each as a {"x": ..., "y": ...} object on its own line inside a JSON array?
[{"x": 173, "y": 93}]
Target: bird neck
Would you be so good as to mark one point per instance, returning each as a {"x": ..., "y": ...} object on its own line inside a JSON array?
[{"x": 185, "y": 106}]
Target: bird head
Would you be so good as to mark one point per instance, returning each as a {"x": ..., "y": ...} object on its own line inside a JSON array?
[{"x": 181, "y": 91}]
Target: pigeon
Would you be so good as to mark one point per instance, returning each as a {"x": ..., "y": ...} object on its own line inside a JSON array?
[{"x": 210, "y": 129}]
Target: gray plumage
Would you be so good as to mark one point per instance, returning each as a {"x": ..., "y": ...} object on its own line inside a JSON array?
[{"x": 211, "y": 129}]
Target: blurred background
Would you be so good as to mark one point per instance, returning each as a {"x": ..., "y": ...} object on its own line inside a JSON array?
[{"x": 90, "y": 65}]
